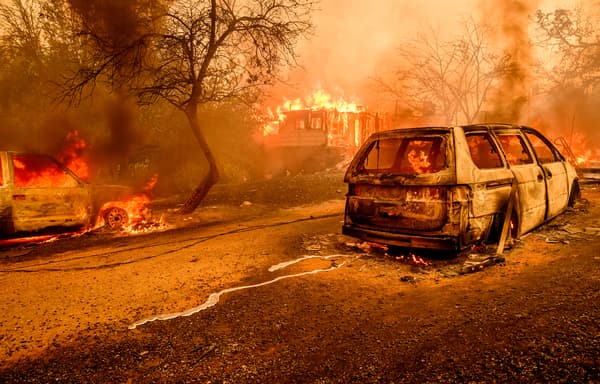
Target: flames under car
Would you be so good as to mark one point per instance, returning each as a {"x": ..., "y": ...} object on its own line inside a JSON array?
[{"x": 448, "y": 187}]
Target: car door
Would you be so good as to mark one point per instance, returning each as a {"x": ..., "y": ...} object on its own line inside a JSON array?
[
  {"x": 531, "y": 188},
  {"x": 555, "y": 172},
  {"x": 492, "y": 179},
  {"x": 45, "y": 194}
]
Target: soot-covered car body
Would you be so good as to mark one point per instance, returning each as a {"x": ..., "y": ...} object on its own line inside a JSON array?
[
  {"x": 448, "y": 187},
  {"x": 37, "y": 193}
]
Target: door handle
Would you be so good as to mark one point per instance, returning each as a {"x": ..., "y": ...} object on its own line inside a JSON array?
[
  {"x": 18, "y": 197},
  {"x": 540, "y": 177},
  {"x": 548, "y": 173}
]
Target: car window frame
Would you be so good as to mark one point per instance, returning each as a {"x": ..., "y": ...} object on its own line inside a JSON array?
[
  {"x": 557, "y": 155},
  {"x": 360, "y": 169},
  {"x": 493, "y": 142},
  {"x": 497, "y": 133}
]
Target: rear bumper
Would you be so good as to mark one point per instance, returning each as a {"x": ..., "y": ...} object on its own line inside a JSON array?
[{"x": 450, "y": 243}]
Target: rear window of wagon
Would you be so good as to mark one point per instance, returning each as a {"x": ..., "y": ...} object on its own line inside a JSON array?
[{"x": 408, "y": 155}]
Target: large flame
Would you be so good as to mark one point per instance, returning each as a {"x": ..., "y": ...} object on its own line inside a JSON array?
[
  {"x": 72, "y": 155},
  {"x": 34, "y": 171},
  {"x": 583, "y": 152},
  {"x": 318, "y": 100},
  {"x": 321, "y": 100},
  {"x": 37, "y": 171}
]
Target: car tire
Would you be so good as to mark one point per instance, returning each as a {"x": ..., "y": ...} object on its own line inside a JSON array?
[
  {"x": 575, "y": 194},
  {"x": 115, "y": 217},
  {"x": 496, "y": 229}
]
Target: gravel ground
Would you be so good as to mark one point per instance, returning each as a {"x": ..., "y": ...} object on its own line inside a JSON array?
[{"x": 371, "y": 317}]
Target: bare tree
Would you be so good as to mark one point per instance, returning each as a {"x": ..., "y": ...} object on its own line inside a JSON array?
[
  {"x": 188, "y": 53},
  {"x": 27, "y": 64},
  {"x": 575, "y": 43},
  {"x": 447, "y": 77},
  {"x": 37, "y": 44},
  {"x": 20, "y": 19}
]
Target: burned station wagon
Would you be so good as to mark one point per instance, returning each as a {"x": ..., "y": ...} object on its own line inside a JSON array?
[
  {"x": 37, "y": 192},
  {"x": 449, "y": 187}
]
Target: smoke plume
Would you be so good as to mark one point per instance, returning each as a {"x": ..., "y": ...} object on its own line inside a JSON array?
[{"x": 513, "y": 36}]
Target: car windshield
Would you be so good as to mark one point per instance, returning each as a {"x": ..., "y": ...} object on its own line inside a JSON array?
[{"x": 405, "y": 156}]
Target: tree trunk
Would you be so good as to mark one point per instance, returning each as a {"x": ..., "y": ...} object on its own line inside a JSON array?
[{"x": 212, "y": 176}]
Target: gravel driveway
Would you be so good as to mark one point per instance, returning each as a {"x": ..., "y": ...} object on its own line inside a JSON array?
[{"x": 345, "y": 314}]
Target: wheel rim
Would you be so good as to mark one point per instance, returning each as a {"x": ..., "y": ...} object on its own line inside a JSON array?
[{"x": 115, "y": 217}]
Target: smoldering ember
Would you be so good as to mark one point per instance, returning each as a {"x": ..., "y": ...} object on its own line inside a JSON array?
[{"x": 299, "y": 191}]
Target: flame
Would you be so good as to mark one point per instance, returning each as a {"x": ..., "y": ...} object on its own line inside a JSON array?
[
  {"x": 419, "y": 161},
  {"x": 318, "y": 100},
  {"x": 271, "y": 128},
  {"x": 150, "y": 184},
  {"x": 34, "y": 171},
  {"x": 71, "y": 155},
  {"x": 584, "y": 155},
  {"x": 413, "y": 259},
  {"x": 579, "y": 149},
  {"x": 137, "y": 208},
  {"x": 322, "y": 100}
]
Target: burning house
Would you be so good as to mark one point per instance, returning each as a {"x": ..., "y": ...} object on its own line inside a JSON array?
[{"x": 316, "y": 133}]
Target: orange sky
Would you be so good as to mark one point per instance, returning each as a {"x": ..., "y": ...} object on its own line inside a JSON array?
[{"x": 351, "y": 35}]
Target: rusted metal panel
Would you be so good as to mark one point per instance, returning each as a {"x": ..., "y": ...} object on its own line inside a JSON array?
[
  {"x": 416, "y": 208},
  {"x": 489, "y": 198}
]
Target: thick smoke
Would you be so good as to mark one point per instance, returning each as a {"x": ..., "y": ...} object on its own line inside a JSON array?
[
  {"x": 115, "y": 24},
  {"x": 118, "y": 140},
  {"x": 117, "y": 21},
  {"x": 512, "y": 36},
  {"x": 105, "y": 137}
]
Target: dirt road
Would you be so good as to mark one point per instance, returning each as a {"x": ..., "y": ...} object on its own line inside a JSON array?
[{"x": 89, "y": 309}]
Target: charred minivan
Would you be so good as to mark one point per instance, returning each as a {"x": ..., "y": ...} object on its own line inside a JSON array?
[
  {"x": 37, "y": 192},
  {"x": 448, "y": 187}
]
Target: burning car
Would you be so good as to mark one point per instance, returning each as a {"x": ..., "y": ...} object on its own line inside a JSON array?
[
  {"x": 449, "y": 187},
  {"x": 37, "y": 193}
]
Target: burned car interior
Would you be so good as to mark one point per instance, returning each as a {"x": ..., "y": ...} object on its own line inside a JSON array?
[{"x": 406, "y": 156}]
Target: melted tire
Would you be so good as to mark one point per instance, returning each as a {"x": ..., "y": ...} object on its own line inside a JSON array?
[{"x": 575, "y": 194}]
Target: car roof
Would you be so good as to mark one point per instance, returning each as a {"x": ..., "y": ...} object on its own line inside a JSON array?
[
  {"x": 445, "y": 129},
  {"x": 418, "y": 130},
  {"x": 491, "y": 126}
]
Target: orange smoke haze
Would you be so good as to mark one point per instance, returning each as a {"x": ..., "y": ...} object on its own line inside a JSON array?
[{"x": 353, "y": 36}]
